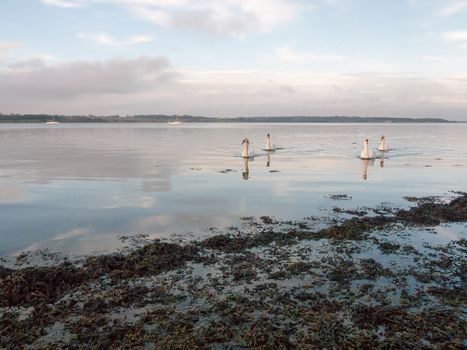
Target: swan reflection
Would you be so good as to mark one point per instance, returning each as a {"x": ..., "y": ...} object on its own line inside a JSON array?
[
  {"x": 365, "y": 163},
  {"x": 268, "y": 160},
  {"x": 381, "y": 162},
  {"x": 246, "y": 170}
]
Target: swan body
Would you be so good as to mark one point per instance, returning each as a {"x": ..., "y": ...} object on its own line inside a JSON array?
[
  {"x": 382, "y": 145},
  {"x": 246, "y": 152},
  {"x": 366, "y": 154},
  {"x": 269, "y": 146}
]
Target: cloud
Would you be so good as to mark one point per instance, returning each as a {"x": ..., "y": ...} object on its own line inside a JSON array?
[
  {"x": 79, "y": 232},
  {"x": 107, "y": 40},
  {"x": 327, "y": 94},
  {"x": 36, "y": 79},
  {"x": 5, "y": 45},
  {"x": 446, "y": 61},
  {"x": 147, "y": 86},
  {"x": 455, "y": 36},
  {"x": 287, "y": 54},
  {"x": 222, "y": 17},
  {"x": 62, "y": 3},
  {"x": 9, "y": 195},
  {"x": 202, "y": 20},
  {"x": 454, "y": 8},
  {"x": 438, "y": 59}
]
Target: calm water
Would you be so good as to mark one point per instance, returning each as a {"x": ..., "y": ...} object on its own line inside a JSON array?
[{"x": 75, "y": 188}]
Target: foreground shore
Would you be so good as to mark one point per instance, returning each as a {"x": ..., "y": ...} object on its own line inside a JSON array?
[{"x": 366, "y": 278}]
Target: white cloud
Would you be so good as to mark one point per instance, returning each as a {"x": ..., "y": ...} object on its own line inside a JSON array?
[
  {"x": 287, "y": 54},
  {"x": 139, "y": 39},
  {"x": 455, "y": 36},
  {"x": 62, "y": 3},
  {"x": 4, "y": 45},
  {"x": 223, "y": 17},
  {"x": 107, "y": 40},
  {"x": 100, "y": 38},
  {"x": 147, "y": 86},
  {"x": 79, "y": 232},
  {"x": 454, "y": 8},
  {"x": 261, "y": 93},
  {"x": 447, "y": 60},
  {"x": 438, "y": 59}
]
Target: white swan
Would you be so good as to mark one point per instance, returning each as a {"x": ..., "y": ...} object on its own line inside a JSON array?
[
  {"x": 246, "y": 153},
  {"x": 365, "y": 154},
  {"x": 269, "y": 146},
  {"x": 382, "y": 145}
]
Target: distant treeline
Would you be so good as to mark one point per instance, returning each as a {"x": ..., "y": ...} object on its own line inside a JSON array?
[{"x": 158, "y": 118}]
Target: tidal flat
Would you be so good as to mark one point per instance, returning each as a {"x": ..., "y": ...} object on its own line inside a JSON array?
[{"x": 362, "y": 278}]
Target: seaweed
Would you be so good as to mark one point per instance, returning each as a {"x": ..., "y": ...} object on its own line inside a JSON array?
[{"x": 278, "y": 288}]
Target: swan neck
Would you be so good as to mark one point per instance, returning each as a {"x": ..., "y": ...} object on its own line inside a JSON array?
[
  {"x": 245, "y": 150},
  {"x": 364, "y": 153}
]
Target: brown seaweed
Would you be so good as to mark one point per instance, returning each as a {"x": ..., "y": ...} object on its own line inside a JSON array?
[{"x": 257, "y": 293}]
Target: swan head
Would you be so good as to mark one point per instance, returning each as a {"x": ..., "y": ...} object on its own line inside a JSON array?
[
  {"x": 366, "y": 141},
  {"x": 382, "y": 138},
  {"x": 245, "y": 141},
  {"x": 269, "y": 136}
]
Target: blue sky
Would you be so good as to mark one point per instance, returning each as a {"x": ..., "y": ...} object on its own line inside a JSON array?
[{"x": 235, "y": 57}]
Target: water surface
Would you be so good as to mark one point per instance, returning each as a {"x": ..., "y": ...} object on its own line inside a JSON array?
[{"x": 75, "y": 188}]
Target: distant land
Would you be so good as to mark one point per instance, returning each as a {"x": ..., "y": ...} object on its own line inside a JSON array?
[{"x": 42, "y": 118}]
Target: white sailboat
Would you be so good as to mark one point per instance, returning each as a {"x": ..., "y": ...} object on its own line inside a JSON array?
[
  {"x": 52, "y": 122},
  {"x": 177, "y": 121}
]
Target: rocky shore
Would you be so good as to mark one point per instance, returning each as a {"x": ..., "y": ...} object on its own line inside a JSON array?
[{"x": 366, "y": 278}]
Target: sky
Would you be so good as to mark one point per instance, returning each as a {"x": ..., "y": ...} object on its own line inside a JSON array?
[{"x": 227, "y": 58}]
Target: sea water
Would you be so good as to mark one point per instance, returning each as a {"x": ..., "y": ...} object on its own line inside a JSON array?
[{"x": 77, "y": 188}]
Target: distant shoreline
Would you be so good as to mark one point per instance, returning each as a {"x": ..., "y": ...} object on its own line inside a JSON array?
[{"x": 42, "y": 118}]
